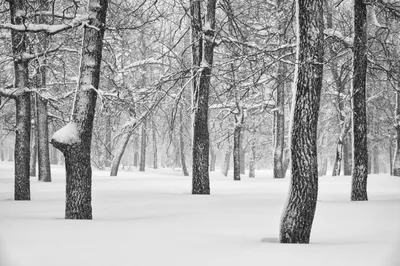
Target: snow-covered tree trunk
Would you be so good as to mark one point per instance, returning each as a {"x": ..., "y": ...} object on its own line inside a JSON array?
[
  {"x": 360, "y": 150},
  {"x": 74, "y": 139},
  {"x": 119, "y": 153},
  {"x": 396, "y": 161},
  {"x": 299, "y": 212},
  {"x": 339, "y": 148},
  {"x": 201, "y": 88},
  {"x": 34, "y": 138}
]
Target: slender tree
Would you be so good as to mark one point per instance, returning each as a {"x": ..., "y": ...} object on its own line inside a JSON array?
[
  {"x": 299, "y": 212},
  {"x": 74, "y": 139}
]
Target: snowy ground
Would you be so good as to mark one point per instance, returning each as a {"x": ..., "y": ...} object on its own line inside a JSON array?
[{"x": 151, "y": 219}]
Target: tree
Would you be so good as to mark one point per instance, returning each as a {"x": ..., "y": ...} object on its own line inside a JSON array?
[
  {"x": 202, "y": 56},
  {"x": 360, "y": 150},
  {"x": 299, "y": 212},
  {"x": 74, "y": 139}
]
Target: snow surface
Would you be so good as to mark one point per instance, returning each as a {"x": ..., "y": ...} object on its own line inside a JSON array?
[
  {"x": 67, "y": 134},
  {"x": 151, "y": 219}
]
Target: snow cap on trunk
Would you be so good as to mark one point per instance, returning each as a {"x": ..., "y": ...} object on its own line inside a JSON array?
[{"x": 67, "y": 134}]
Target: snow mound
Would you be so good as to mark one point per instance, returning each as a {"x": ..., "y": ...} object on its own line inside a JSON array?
[{"x": 67, "y": 134}]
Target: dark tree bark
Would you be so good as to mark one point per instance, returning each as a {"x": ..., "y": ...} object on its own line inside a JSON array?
[
  {"x": 23, "y": 107},
  {"x": 119, "y": 153},
  {"x": 299, "y": 212},
  {"x": 143, "y": 146},
  {"x": 202, "y": 48},
  {"x": 237, "y": 135},
  {"x": 74, "y": 140},
  {"x": 396, "y": 162},
  {"x": 360, "y": 150}
]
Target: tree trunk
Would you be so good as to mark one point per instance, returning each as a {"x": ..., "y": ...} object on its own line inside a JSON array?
[
  {"x": 54, "y": 158},
  {"x": 43, "y": 140},
  {"x": 108, "y": 141},
  {"x": 227, "y": 160},
  {"x": 347, "y": 162},
  {"x": 252, "y": 166},
  {"x": 242, "y": 153},
  {"x": 23, "y": 107},
  {"x": 202, "y": 54},
  {"x": 1, "y": 141},
  {"x": 375, "y": 158},
  {"x": 339, "y": 148},
  {"x": 390, "y": 155},
  {"x": 182, "y": 145},
  {"x": 213, "y": 160},
  {"x": 143, "y": 146},
  {"x": 34, "y": 138},
  {"x": 323, "y": 167},
  {"x": 360, "y": 150},
  {"x": 299, "y": 212},
  {"x": 119, "y": 153},
  {"x": 74, "y": 139},
  {"x": 155, "y": 154},
  {"x": 236, "y": 152},
  {"x": 396, "y": 162}
]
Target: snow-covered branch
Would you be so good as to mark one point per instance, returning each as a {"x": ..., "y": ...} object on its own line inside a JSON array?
[
  {"x": 49, "y": 29},
  {"x": 347, "y": 41}
]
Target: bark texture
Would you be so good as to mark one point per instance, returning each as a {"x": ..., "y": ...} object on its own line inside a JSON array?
[
  {"x": 299, "y": 212},
  {"x": 360, "y": 149},
  {"x": 202, "y": 48},
  {"x": 77, "y": 147},
  {"x": 23, "y": 107}
]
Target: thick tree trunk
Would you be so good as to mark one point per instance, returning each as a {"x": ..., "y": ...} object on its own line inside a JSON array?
[
  {"x": 23, "y": 107},
  {"x": 119, "y": 153},
  {"x": 201, "y": 87},
  {"x": 360, "y": 150},
  {"x": 227, "y": 160},
  {"x": 74, "y": 140},
  {"x": 396, "y": 162},
  {"x": 347, "y": 153},
  {"x": 143, "y": 146},
  {"x": 299, "y": 212}
]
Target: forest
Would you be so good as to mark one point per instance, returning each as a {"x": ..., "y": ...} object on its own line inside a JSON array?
[{"x": 298, "y": 100}]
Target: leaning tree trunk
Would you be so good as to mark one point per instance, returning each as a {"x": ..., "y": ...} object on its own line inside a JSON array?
[
  {"x": 74, "y": 139},
  {"x": 396, "y": 162},
  {"x": 360, "y": 150},
  {"x": 143, "y": 146},
  {"x": 298, "y": 215},
  {"x": 201, "y": 87},
  {"x": 119, "y": 153}
]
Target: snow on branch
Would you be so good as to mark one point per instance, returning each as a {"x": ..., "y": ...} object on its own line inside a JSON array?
[
  {"x": 148, "y": 61},
  {"x": 11, "y": 92},
  {"x": 66, "y": 135},
  {"x": 347, "y": 41},
  {"x": 49, "y": 29}
]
